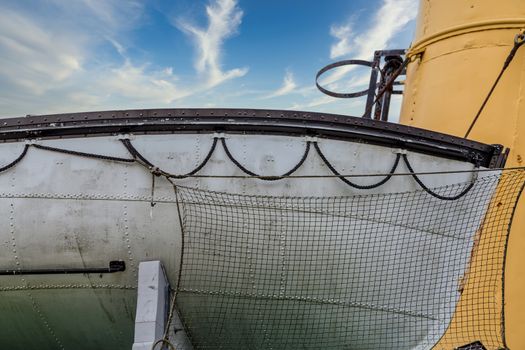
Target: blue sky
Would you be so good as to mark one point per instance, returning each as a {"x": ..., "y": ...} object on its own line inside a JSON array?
[{"x": 84, "y": 55}]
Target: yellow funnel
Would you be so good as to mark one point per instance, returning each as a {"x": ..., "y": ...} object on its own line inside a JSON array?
[{"x": 459, "y": 50}]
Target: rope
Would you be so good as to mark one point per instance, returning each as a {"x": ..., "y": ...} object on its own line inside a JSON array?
[
  {"x": 138, "y": 158},
  {"x": 266, "y": 178},
  {"x": 201, "y": 165},
  {"x": 434, "y": 194},
  {"x": 14, "y": 162},
  {"x": 84, "y": 154},
  {"x": 348, "y": 182},
  {"x": 519, "y": 40},
  {"x": 159, "y": 172},
  {"x": 472, "y": 171},
  {"x": 135, "y": 153},
  {"x": 165, "y": 338}
]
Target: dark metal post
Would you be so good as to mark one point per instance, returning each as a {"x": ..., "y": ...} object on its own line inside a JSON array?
[{"x": 373, "y": 84}]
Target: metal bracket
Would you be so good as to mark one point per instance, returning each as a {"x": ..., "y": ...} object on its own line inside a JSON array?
[
  {"x": 310, "y": 138},
  {"x": 399, "y": 151},
  {"x": 114, "y": 266},
  {"x": 219, "y": 135},
  {"x": 124, "y": 137},
  {"x": 499, "y": 156}
]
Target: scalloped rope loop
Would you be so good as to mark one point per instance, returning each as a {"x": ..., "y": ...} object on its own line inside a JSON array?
[
  {"x": 434, "y": 194},
  {"x": 266, "y": 178},
  {"x": 14, "y": 162},
  {"x": 350, "y": 183}
]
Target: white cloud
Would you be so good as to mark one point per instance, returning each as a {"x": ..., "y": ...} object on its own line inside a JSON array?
[
  {"x": 318, "y": 101},
  {"x": 134, "y": 82},
  {"x": 32, "y": 58},
  {"x": 49, "y": 66},
  {"x": 343, "y": 46},
  {"x": 105, "y": 17},
  {"x": 118, "y": 46},
  {"x": 286, "y": 88},
  {"x": 54, "y": 57},
  {"x": 354, "y": 84},
  {"x": 224, "y": 18},
  {"x": 389, "y": 20}
]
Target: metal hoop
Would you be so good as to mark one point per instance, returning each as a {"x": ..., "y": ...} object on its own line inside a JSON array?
[{"x": 340, "y": 64}]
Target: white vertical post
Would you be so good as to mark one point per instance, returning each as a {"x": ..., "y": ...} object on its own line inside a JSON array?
[
  {"x": 152, "y": 304},
  {"x": 152, "y": 310}
]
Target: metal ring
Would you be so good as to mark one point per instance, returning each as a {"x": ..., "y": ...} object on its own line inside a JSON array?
[
  {"x": 339, "y": 64},
  {"x": 519, "y": 39}
]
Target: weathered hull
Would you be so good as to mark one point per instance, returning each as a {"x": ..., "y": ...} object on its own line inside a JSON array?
[{"x": 69, "y": 211}]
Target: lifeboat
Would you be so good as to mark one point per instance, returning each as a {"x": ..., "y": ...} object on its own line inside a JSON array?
[{"x": 275, "y": 229}]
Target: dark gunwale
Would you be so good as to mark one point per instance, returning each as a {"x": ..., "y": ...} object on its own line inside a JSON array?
[{"x": 250, "y": 121}]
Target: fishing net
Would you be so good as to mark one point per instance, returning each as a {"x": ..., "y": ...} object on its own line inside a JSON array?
[{"x": 379, "y": 271}]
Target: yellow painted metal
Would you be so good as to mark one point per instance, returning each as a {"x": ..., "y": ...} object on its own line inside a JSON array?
[{"x": 458, "y": 51}]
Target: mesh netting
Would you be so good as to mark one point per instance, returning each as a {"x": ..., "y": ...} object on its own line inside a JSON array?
[{"x": 380, "y": 271}]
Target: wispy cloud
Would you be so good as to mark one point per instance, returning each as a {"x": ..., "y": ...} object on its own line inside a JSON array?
[
  {"x": 353, "y": 42},
  {"x": 388, "y": 21},
  {"x": 50, "y": 67},
  {"x": 105, "y": 17},
  {"x": 343, "y": 46},
  {"x": 141, "y": 84},
  {"x": 59, "y": 56},
  {"x": 316, "y": 102},
  {"x": 33, "y": 59},
  {"x": 45, "y": 67},
  {"x": 289, "y": 85},
  {"x": 354, "y": 84},
  {"x": 224, "y": 18}
]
